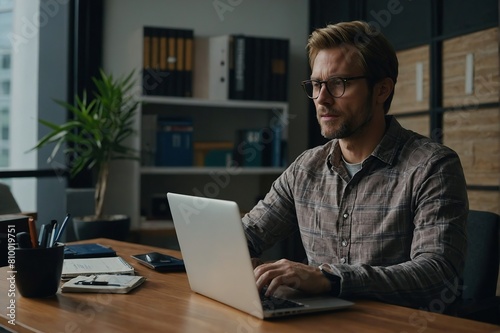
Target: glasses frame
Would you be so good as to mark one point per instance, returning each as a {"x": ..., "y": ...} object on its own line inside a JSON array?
[{"x": 321, "y": 82}]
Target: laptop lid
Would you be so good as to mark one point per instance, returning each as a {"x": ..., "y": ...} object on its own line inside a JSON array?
[{"x": 215, "y": 253}]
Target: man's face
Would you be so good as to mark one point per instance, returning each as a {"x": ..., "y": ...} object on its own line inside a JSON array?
[{"x": 348, "y": 115}]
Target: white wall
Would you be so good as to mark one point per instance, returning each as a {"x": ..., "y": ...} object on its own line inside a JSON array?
[{"x": 124, "y": 20}]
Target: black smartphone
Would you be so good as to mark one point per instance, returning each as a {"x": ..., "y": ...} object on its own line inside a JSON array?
[{"x": 160, "y": 262}]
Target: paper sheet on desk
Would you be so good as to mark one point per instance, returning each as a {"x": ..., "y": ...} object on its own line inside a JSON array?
[{"x": 89, "y": 266}]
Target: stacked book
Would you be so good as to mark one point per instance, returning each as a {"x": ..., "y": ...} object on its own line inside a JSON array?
[
  {"x": 167, "y": 62},
  {"x": 240, "y": 67},
  {"x": 169, "y": 142},
  {"x": 174, "y": 142},
  {"x": 259, "y": 148}
]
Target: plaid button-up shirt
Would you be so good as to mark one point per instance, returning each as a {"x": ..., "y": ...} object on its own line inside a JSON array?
[{"x": 395, "y": 231}]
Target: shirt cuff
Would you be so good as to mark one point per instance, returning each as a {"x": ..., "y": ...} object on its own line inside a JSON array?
[{"x": 334, "y": 279}]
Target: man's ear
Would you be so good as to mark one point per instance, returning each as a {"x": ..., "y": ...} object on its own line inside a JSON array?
[{"x": 383, "y": 89}]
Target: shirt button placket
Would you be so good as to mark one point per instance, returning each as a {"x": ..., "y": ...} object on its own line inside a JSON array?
[{"x": 344, "y": 243}]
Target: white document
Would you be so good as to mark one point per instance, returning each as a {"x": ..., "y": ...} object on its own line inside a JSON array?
[{"x": 90, "y": 266}]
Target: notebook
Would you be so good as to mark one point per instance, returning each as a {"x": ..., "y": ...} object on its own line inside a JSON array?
[
  {"x": 218, "y": 263},
  {"x": 103, "y": 283},
  {"x": 92, "y": 250}
]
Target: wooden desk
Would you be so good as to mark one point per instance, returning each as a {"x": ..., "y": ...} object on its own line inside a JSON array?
[{"x": 165, "y": 303}]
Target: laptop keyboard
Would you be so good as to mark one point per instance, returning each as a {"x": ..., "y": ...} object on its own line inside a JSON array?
[{"x": 275, "y": 303}]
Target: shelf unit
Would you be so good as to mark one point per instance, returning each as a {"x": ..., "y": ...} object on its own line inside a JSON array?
[{"x": 214, "y": 120}]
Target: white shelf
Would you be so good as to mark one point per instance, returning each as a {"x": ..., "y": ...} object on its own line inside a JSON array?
[
  {"x": 217, "y": 120},
  {"x": 189, "y": 101},
  {"x": 209, "y": 170}
]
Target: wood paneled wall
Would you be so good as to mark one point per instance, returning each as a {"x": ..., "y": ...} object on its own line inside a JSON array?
[{"x": 471, "y": 116}]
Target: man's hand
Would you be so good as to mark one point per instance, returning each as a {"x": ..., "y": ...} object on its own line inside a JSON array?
[
  {"x": 292, "y": 274},
  {"x": 256, "y": 262}
]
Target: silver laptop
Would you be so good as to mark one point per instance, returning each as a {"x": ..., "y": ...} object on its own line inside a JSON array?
[{"x": 218, "y": 263}]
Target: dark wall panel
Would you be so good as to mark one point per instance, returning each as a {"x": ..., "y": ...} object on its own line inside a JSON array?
[
  {"x": 468, "y": 16},
  {"x": 405, "y": 23}
]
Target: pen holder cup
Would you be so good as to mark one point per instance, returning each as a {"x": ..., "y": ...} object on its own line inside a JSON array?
[{"x": 38, "y": 271}]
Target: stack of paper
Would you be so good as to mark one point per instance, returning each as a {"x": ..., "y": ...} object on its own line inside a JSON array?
[{"x": 92, "y": 266}]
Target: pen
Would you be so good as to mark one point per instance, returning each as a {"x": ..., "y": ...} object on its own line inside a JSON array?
[
  {"x": 32, "y": 229},
  {"x": 53, "y": 233},
  {"x": 92, "y": 281},
  {"x": 44, "y": 235},
  {"x": 61, "y": 229},
  {"x": 98, "y": 283}
]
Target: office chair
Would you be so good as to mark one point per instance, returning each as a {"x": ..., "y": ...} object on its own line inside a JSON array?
[{"x": 480, "y": 276}]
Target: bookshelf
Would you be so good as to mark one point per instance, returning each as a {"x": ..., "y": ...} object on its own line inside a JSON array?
[
  {"x": 213, "y": 120},
  {"x": 132, "y": 185}
]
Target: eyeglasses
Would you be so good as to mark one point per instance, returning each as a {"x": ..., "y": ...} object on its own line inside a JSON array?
[{"x": 334, "y": 85}]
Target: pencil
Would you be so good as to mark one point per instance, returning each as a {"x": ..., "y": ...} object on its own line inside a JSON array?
[{"x": 32, "y": 229}]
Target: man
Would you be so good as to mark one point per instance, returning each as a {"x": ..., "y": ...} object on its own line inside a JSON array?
[{"x": 381, "y": 210}]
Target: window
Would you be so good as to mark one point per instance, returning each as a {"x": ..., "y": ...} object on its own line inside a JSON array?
[
  {"x": 33, "y": 49},
  {"x": 5, "y": 88},
  {"x": 4, "y": 154},
  {"x": 6, "y": 7},
  {"x": 5, "y": 62},
  {"x": 5, "y": 133}
]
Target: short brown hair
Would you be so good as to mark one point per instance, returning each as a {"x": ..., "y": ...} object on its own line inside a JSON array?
[{"x": 377, "y": 56}]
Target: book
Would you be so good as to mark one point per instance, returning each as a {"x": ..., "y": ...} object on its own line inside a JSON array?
[
  {"x": 276, "y": 147},
  {"x": 174, "y": 142},
  {"x": 93, "y": 266},
  {"x": 213, "y": 153},
  {"x": 93, "y": 250},
  {"x": 161, "y": 88},
  {"x": 248, "y": 150},
  {"x": 147, "y": 71},
  {"x": 171, "y": 78},
  {"x": 148, "y": 139},
  {"x": 241, "y": 67},
  {"x": 237, "y": 90},
  {"x": 271, "y": 139},
  {"x": 104, "y": 283},
  {"x": 280, "y": 69},
  {"x": 155, "y": 63},
  {"x": 213, "y": 59},
  {"x": 188, "y": 63},
  {"x": 167, "y": 61}
]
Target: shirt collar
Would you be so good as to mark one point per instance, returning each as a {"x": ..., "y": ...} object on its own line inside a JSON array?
[
  {"x": 385, "y": 151},
  {"x": 388, "y": 147}
]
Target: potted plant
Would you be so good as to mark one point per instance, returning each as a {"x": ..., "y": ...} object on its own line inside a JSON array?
[{"x": 96, "y": 134}]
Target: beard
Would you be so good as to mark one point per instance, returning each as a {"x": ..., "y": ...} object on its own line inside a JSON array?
[{"x": 346, "y": 127}]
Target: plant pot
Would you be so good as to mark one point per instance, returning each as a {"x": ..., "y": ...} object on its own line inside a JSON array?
[{"x": 108, "y": 226}]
